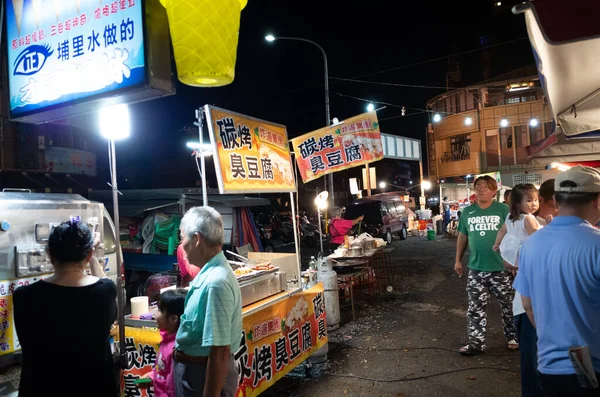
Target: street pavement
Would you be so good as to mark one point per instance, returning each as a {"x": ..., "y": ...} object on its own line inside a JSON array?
[{"x": 405, "y": 343}]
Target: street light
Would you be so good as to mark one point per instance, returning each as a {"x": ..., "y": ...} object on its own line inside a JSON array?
[
  {"x": 370, "y": 107},
  {"x": 202, "y": 149},
  {"x": 271, "y": 38},
  {"x": 321, "y": 203},
  {"x": 437, "y": 118},
  {"x": 114, "y": 123}
]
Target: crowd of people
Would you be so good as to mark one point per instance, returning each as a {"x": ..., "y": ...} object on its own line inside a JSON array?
[{"x": 539, "y": 255}]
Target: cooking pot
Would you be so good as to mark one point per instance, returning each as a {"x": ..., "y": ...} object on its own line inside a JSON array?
[
  {"x": 355, "y": 250},
  {"x": 369, "y": 245}
]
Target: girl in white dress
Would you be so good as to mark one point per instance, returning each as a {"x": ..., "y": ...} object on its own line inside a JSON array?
[{"x": 519, "y": 224}]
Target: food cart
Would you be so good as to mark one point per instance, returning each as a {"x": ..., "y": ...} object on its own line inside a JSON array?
[
  {"x": 149, "y": 223},
  {"x": 26, "y": 220},
  {"x": 283, "y": 324}
]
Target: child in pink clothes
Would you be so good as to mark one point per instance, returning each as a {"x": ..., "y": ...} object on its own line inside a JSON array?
[{"x": 170, "y": 309}]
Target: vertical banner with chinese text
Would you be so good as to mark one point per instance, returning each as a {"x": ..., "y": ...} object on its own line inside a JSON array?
[
  {"x": 9, "y": 341},
  {"x": 355, "y": 141},
  {"x": 141, "y": 346},
  {"x": 251, "y": 155}
]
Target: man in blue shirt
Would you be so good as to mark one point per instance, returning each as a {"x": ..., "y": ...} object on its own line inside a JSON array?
[
  {"x": 559, "y": 280},
  {"x": 211, "y": 325}
]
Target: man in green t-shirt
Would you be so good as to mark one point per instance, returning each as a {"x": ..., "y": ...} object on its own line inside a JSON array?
[{"x": 478, "y": 227}]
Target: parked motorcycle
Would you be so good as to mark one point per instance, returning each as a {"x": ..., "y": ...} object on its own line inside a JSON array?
[
  {"x": 282, "y": 229},
  {"x": 309, "y": 233},
  {"x": 265, "y": 239}
]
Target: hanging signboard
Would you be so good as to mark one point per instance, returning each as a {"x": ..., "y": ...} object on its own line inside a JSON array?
[
  {"x": 274, "y": 340},
  {"x": 63, "y": 51},
  {"x": 251, "y": 155},
  {"x": 356, "y": 141}
]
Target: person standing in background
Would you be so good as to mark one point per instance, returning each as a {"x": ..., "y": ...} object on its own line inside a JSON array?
[
  {"x": 559, "y": 281},
  {"x": 507, "y": 197},
  {"x": 478, "y": 227},
  {"x": 211, "y": 325},
  {"x": 187, "y": 271}
]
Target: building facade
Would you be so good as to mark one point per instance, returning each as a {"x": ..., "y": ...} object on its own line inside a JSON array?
[{"x": 497, "y": 126}]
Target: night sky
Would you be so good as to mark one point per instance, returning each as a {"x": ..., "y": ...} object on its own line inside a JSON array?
[{"x": 379, "y": 41}]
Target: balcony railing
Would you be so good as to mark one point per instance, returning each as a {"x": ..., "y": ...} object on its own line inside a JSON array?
[{"x": 451, "y": 157}]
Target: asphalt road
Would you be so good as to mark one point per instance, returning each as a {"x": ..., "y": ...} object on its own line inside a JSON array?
[{"x": 405, "y": 343}]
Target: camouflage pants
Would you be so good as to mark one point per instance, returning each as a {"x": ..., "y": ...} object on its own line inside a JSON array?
[{"x": 479, "y": 287}]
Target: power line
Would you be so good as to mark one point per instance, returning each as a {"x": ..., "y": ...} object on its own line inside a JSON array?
[
  {"x": 391, "y": 84},
  {"x": 443, "y": 57},
  {"x": 420, "y": 63}
]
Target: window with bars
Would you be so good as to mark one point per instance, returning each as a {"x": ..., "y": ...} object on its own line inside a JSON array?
[{"x": 535, "y": 179}]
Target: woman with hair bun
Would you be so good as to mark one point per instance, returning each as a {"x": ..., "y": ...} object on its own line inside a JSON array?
[{"x": 63, "y": 322}]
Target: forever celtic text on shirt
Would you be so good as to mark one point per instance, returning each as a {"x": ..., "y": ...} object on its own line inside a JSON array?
[{"x": 486, "y": 222}]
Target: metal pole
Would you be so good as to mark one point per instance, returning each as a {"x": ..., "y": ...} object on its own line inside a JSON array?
[
  {"x": 120, "y": 297},
  {"x": 296, "y": 239},
  {"x": 327, "y": 110},
  {"x": 320, "y": 234},
  {"x": 422, "y": 198},
  {"x": 199, "y": 114},
  {"x": 368, "y": 179},
  {"x": 328, "y": 120}
]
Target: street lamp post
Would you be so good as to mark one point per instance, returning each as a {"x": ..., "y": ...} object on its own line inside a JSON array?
[
  {"x": 115, "y": 125},
  {"x": 272, "y": 38}
]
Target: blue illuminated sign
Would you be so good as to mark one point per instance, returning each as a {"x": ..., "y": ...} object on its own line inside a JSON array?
[{"x": 68, "y": 50}]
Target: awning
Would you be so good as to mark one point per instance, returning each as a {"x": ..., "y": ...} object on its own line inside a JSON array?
[{"x": 565, "y": 36}]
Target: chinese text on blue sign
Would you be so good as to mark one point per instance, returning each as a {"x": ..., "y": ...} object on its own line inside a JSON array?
[{"x": 61, "y": 51}]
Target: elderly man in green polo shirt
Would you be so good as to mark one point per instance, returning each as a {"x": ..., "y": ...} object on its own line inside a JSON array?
[{"x": 211, "y": 325}]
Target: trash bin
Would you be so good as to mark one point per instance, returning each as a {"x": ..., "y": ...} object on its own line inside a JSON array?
[
  {"x": 430, "y": 235},
  {"x": 439, "y": 226}
]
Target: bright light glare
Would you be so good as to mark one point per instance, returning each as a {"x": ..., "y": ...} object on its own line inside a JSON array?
[
  {"x": 411, "y": 182},
  {"x": 559, "y": 166},
  {"x": 437, "y": 118},
  {"x": 321, "y": 200},
  {"x": 498, "y": 4},
  {"x": 370, "y": 107},
  {"x": 534, "y": 122},
  {"x": 270, "y": 37},
  {"x": 426, "y": 185},
  {"x": 504, "y": 123},
  {"x": 468, "y": 121},
  {"x": 468, "y": 176},
  {"x": 196, "y": 146},
  {"x": 206, "y": 149},
  {"x": 114, "y": 122},
  {"x": 382, "y": 185}
]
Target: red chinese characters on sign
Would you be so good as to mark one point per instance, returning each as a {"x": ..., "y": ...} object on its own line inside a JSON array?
[
  {"x": 270, "y": 137},
  {"x": 4, "y": 325},
  {"x": 270, "y": 327},
  {"x": 363, "y": 125}
]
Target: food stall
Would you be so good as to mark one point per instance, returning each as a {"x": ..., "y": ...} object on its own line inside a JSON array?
[
  {"x": 26, "y": 220},
  {"x": 149, "y": 225},
  {"x": 283, "y": 324}
]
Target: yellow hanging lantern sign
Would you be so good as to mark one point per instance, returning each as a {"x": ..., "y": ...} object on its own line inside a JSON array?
[{"x": 204, "y": 34}]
